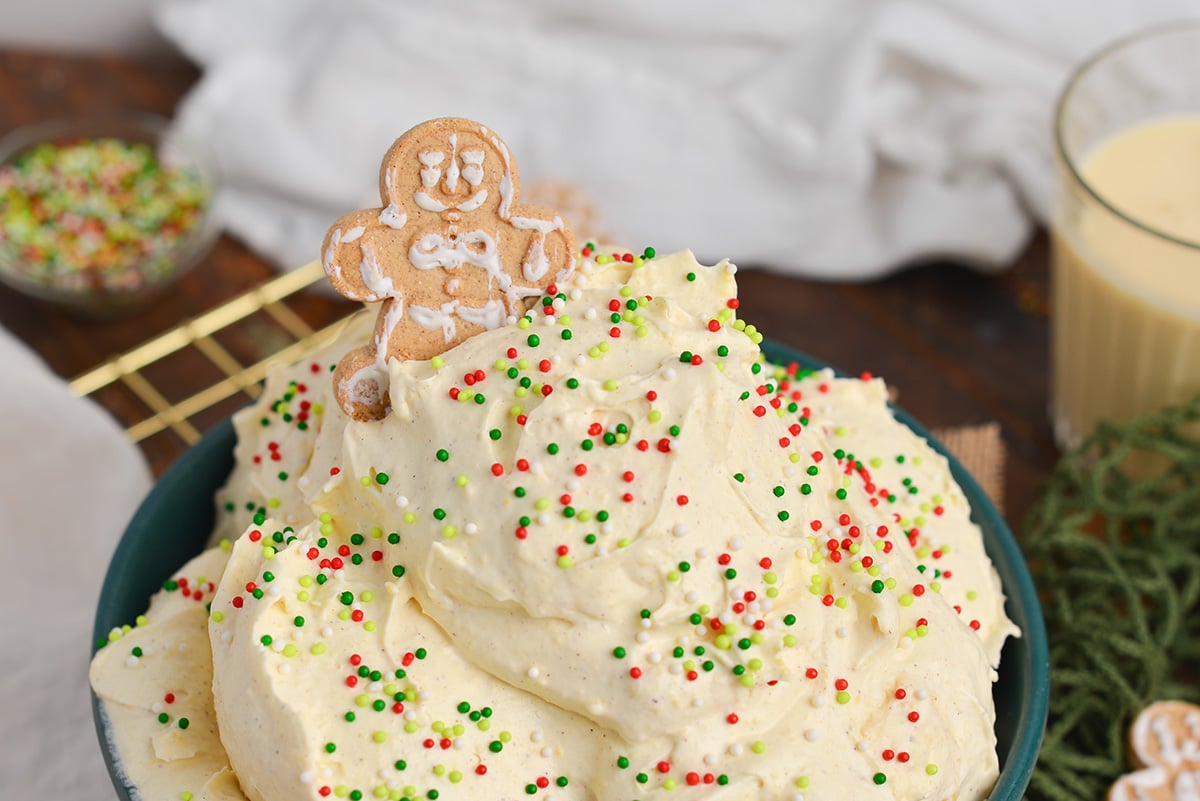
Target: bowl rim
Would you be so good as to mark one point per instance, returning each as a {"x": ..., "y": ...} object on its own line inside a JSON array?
[{"x": 1022, "y": 602}]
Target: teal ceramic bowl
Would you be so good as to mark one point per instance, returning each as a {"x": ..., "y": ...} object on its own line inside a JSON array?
[{"x": 176, "y": 518}]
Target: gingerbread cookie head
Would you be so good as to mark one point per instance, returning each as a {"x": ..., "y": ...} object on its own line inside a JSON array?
[
  {"x": 450, "y": 253},
  {"x": 1165, "y": 743}
]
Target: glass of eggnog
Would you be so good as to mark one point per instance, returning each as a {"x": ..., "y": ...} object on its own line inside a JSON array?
[{"x": 1125, "y": 322}]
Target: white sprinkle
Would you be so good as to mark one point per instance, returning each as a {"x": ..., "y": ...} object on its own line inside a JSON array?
[
  {"x": 580, "y": 360},
  {"x": 543, "y": 518},
  {"x": 735, "y": 749},
  {"x": 375, "y": 686},
  {"x": 843, "y": 632},
  {"x": 811, "y": 735},
  {"x": 692, "y": 596},
  {"x": 697, "y": 702},
  {"x": 326, "y": 772},
  {"x": 547, "y": 751},
  {"x": 410, "y": 715},
  {"x": 471, "y": 528},
  {"x": 643, "y": 637},
  {"x": 726, "y": 618},
  {"x": 589, "y": 314},
  {"x": 536, "y": 735},
  {"x": 922, "y": 695},
  {"x": 818, "y": 701},
  {"x": 748, "y": 620},
  {"x": 533, "y": 673},
  {"x": 274, "y": 591},
  {"x": 676, "y": 669},
  {"x": 575, "y": 294},
  {"x": 302, "y": 482},
  {"x": 573, "y": 485},
  {"x": 701, "y": 631},
  {"x": 307, "y": 777},
  {"x": 601, "y": 551},
  {"x": 679, "y": 530},
  {"x": 668, "y": 373},
  {"x": 702, "y": 553},
  {"x": 736, "y": 544},
  {"x": 226, "y": 635},
  {"x": 156, "y": 707},
  {"x": 789, "y": 471},
  {"x": 131, "y": 661},
  {"x": 459, "y": 744},
  {"x": 285, "y": 668},
  {"x": 606, "y": 528},
  {"x": 423, "y": 695},
  {"x": 401, "y": 501},
  {"x": 327, "y": 631},
  {"x": 646, "y": 622},
  {"x": 654, "y": 658},
  {"x": 797, "y": 796},
  {"x": 558, "y": 304}
]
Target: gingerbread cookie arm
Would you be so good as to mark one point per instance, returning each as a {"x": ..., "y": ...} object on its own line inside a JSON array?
[{"x": 343, "y": 257}]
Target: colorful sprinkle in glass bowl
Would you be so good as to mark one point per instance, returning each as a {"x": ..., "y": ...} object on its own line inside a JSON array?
[{"x": 100, "y": 214}]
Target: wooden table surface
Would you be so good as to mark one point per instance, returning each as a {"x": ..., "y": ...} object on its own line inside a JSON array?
[{"x": 961, "y": 348}]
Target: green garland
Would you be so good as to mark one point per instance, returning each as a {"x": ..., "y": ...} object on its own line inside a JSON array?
[{"x": 1117, "y": 562}]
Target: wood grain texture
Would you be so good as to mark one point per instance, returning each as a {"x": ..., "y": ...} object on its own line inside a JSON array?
[{"x": 960, "y": 347}]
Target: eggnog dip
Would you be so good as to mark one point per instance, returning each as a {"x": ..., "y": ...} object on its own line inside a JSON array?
[
  {"x": 1127, "y": 279},
  {"x": 607, "y": 552}
]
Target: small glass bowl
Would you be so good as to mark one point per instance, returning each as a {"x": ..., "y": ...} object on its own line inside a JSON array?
[{"x": 100, "y": 214}]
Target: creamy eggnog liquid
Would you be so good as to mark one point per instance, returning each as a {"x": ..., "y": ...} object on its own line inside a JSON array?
[{"x": 1126, "y": 327}]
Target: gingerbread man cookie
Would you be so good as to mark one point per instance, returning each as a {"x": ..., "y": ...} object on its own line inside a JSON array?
[
  {"x": 451, "y": 253},
  {"x": 1165, "y": 741}
]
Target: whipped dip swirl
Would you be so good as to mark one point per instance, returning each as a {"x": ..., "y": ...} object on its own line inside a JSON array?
[{"x": 605, "y": 552}]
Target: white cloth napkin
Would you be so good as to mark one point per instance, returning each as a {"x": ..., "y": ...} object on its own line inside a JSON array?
[
  {"x": 831, "y": 138},
  {"x": 69, "y": 481}
]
